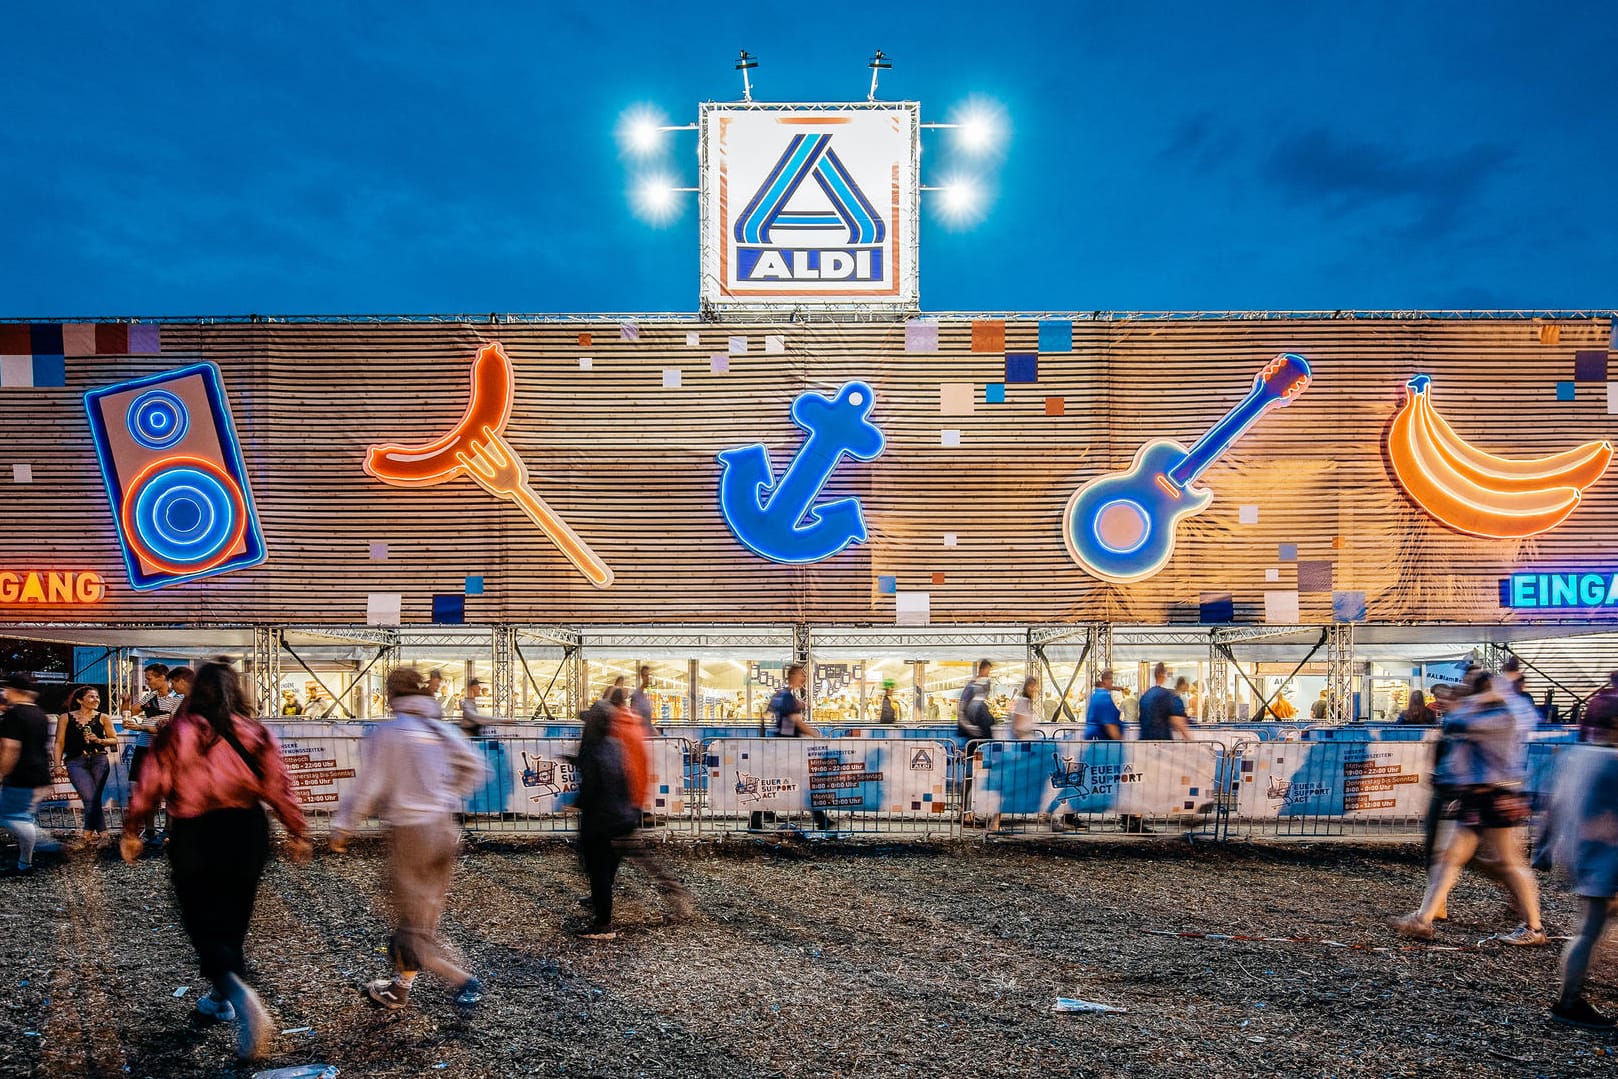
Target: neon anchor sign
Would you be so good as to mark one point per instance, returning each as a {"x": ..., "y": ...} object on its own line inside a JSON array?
[
  {"x": 1121, "y": 527},
  {"x": 778, "y": 519}
]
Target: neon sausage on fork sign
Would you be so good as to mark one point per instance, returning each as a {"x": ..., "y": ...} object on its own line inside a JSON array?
[{"x": 477, "y": 449}]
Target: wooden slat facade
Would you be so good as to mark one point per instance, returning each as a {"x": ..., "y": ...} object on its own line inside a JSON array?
[{"x": 632, "y": 467}]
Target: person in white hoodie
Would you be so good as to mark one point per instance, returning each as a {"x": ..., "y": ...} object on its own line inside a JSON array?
[{"x": 415, "y": 772}]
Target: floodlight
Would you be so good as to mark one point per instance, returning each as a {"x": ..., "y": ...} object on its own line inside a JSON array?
[
  {"x": 641, "y": 131},
  {"x": 976, "y": 131}
]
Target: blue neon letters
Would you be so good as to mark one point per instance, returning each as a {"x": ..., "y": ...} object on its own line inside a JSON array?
[
  {"x": 778, "y": 519},
  {"x": 1536, "y": 591}
]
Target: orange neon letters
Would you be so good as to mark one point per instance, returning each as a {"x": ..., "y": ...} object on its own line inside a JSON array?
[
  {"x": 53, "y": 587},
  {"x": 1480, "y": 493}
]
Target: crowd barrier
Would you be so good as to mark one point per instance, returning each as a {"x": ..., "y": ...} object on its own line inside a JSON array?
[{"x": 897, "y": 781}]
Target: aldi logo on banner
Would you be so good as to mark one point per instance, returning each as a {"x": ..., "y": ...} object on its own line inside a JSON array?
[{"x": 809, "y": 205}]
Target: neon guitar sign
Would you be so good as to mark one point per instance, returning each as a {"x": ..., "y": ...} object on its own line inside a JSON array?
[{"x": 1121, "y": 527}]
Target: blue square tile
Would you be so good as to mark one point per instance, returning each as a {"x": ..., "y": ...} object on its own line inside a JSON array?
[
  {"x": 1022, "y": 367},
  {"x": 1564, "y": 391},
  {"x": 474, "y": 586},
  {"x": 50, "y": 371},
  {"x": 887, "y": 585},
  {"x": 1056, "y": 335},
  {"x": 1288, "y": 552},
  {"x": 1590, "y": 365},
  {"x": 994, "y": 393},
  {"x": 46, "y": 339},
  {"x": 449, "y": 610}
]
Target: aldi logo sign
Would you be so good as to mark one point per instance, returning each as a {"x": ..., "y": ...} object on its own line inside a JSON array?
[{"x": 807, "y": 205}]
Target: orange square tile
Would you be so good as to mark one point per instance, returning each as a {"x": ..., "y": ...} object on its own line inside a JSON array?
[
  {"x": 938, "y": 578},
  {"x": 1550, "y": 334},
  {"x": 1056, "y": 406},
  {"x": 989, "y": 335},
  {"x": 584, "y": 340},
  {"x": 1337, "y": 541}
]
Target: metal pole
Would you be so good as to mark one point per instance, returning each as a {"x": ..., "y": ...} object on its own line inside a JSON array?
[{"x": 504, "y": 703}]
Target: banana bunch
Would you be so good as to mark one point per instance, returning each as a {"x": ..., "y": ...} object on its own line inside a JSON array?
[{"x": 1481, "y": 493}]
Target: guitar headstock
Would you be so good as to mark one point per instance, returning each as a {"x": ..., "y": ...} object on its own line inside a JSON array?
[{"x": 1283, "y": 378}]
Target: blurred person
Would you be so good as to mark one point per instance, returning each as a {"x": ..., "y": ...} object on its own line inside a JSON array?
[
  {"x": 1585, "y": 838},
  {"x": 1162, "y": 712},
  {"x": 217, "y": 767},
  {"x": 614, "y": 781},
  {"x": 1025, "y": 710},
  {"x": 180, "y": 681},
  {"x": 435, "y": 683},
  {"x": 290, "y": 705},
  {"x": 1600, "y": 712},
  {"x": 1102, "y": 719},
  {"x": 1128, "y": 709},
  {"x": 472, "y": 720},
  {"x": 888, "y": 714},
  {"x": 415, "y": 771},
  {"x": 1482, "y": 769},
  {"x": 1317, "y": 710},
  {"x": 25, "y": 770},
  {"x": 789, "y": 708},
  {"x": 617, "y": 683},
  {"x": 149, "y": 715},
  {"x": 1416, "y": 712},
  {"x": 640, "y": 701},
  {"x": 1186, "y": 690},
  {"x": 84, "y": 733},
  {"x": 973, "y": 720}
]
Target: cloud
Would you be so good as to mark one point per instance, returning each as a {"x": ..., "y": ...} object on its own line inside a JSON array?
[{"x": 1430, "y": 196}]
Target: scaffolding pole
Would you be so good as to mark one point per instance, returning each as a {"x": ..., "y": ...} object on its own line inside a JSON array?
[
  {"x": 1340, "y": 673},
  {"x": 267, "y": 669},
  {"x": 504, "y": 641}
]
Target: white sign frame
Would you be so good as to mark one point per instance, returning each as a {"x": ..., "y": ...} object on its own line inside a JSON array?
[{"x": 864, "y": 160}]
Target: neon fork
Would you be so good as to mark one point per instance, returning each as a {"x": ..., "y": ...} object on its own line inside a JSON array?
[{"x": 497, "y": 469}]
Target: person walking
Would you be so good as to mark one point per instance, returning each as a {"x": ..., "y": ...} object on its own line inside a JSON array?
[
  {"x": 973, "y": 720},
  {"x": 25, "y": 770},
  {"x": 1162, "y": 712},
  {"x": 789, "y": 708},
  {"x": 1102, "y": 719},
  {"x": 148, "y": 717},
  {"x": 217, "y": 766},
  {"x": 1417, "y": 712},
  {"x": 472, "y": 720},
  {"x": 640, "y": 701},
  {"x": 888, "y": 715},
  {"x": 614, "y": 781},
  {"x": 1025, "y": 710},
  {"x": 1483, "y": 769},
  {"x": 84, "y": 733},
  {"x": 415, "y": 771},
  {"x": 1584, "y": 807},
  {"x": 1600, "y": 712}
]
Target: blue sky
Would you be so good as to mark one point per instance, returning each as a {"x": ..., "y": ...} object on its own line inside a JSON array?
[{"x": 400, "y": 157}]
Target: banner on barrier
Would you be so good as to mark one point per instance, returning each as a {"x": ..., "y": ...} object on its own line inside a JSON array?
[
  {"x": 904, "y": 777},
  {"x": 1356, "y": 780},
  {"x": 1144, "y": 778}
]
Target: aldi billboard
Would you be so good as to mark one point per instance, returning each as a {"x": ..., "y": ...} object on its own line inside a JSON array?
[{"x": 809, "y": 206}]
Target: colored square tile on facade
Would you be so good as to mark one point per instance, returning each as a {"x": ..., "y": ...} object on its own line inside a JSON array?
[
  {"x": 949, "y": 438},
  {"x": 887, "y": 585},
  {"x": 1287, "y": 552},
  {"x": 145, "y": 339},
  {"x": 1056, "y": 406},
  {"x": 989, "y": 336},
  {"x": 1590, "y": 365},
  {"x": 1348, "y": 606},
  {"x": 921, "y": 335},
  {"x": 449, "y": 609},
  {"x": 79, "y": 339},
  {"x": 994, "y": 393},
  {"x": 1022, "y": 367},
  {"x": 50, "y": 371},
  {"x": 45, "y": 339},
  {"x": 1314, "y": 576},
  {"x": 719, "y": 363},
  {"x": 1565, "y": 391},
  {"x": 16, "y": 340},
  {"x": 1055, "y": 335},
  {"x": 16, "y": 371},
  {"x": 1213, "y": 607},
  {"x": 955, "y": 398},
  {"x": 473, "y": 586},
  {"x": 938, "y": 578},
  {"x": 112, "y": 339},
  {"x": 1281, "y": 608}
]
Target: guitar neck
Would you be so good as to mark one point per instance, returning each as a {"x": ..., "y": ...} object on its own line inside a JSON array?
[{"x": 1221, "y": 436}]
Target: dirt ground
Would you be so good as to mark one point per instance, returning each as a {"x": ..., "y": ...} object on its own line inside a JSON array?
[{"x": 851, "y": 960}]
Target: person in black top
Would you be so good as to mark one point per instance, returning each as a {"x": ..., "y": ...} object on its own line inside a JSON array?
[
  {"x": 888, "y": 715},
  {"x": 1162, "y": 711},
  {"x": 788, "y": 708},
  {"x": 25, "y": 764},
  {"x": 83, "y": 735},
  {"x": 973, "y": 720}
]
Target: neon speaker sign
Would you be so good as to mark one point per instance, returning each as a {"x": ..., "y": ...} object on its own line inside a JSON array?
[{"x": 174, "y": 476}]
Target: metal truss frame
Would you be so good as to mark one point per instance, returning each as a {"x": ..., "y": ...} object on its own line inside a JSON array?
[
  {"x": 267, "y": 641},
  {"x": 1340, "y": 672}
]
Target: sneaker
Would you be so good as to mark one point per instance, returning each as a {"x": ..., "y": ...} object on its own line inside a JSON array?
[
  {"x": 1413, "y": 927},
  {"x": 1580, "y": 1014},
  {"x": 252, "y": 1020},
  {"x": 598, "y": 932},
  {"x": 1524, "y": 937},
  {"x": 17, "y": 871},
  {"x": 388, "y": 992},
  {"x": 215, "y": 1009},
  {"x": 469, "y": 994}
]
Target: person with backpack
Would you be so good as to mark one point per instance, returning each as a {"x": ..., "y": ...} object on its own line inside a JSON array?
[
  {"x": 216, "y": 767},
  {"x": 415, "y": 772}
]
